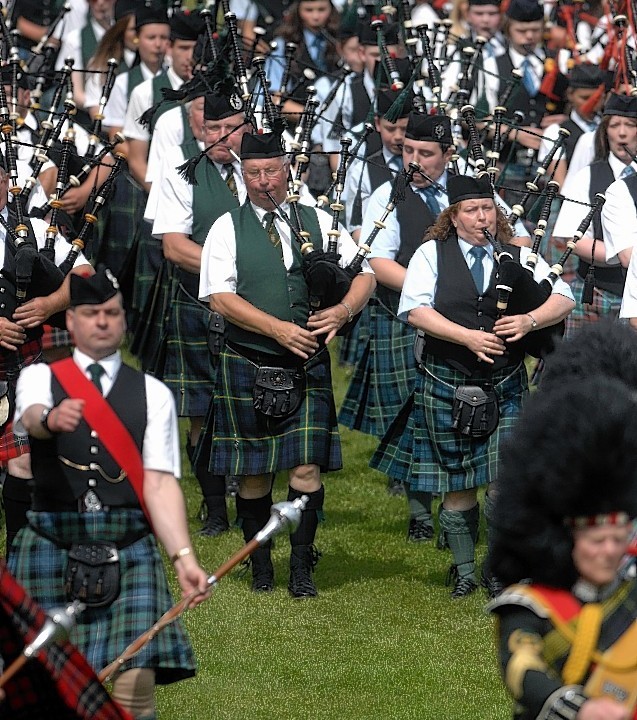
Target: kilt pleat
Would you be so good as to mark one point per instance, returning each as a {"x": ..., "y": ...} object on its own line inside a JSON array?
[
  {"x": 124, "y": 214},
  {"x": 605, "y": 305},
  {"x": 101, "y": 634},
  {"x": 384, "y": 377},
  {"x": 189, "y": 370},
  {"x": 421, "y": 447},
  {"x": 352, "y": 345},
  {"x": 147, "y": 266},
  {"x": 246, "y": 442}
]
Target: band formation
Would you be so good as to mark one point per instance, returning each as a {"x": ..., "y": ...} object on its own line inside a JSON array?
[{"x": 441, "y": 195}]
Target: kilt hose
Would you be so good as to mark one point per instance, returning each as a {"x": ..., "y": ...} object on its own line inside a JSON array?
[
  {"x": 246, "y": 442},
  {"x": 57, "y": 684},
  {"x": 101, "y": 634},
  {"x": 352, "y": 345},
  {"x": 605, "y": 305},
  {"x": 423, "y": 449},
  {"x": 188, "y": 368},
  {"x": 384, "y": 376}
]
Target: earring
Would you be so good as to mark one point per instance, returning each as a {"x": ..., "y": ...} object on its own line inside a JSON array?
[{"x": 135, "y": 41}]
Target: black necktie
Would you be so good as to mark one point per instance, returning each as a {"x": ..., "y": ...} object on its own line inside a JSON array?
[{"x": 96, "y": 371}]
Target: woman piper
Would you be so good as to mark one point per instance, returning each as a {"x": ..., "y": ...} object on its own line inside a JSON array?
[
  {"x": 567, "y": 492},
  {"x": 450, "y": 294}
]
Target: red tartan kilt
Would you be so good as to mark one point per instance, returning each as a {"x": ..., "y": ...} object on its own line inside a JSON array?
[{"x": 12, "y": 445}]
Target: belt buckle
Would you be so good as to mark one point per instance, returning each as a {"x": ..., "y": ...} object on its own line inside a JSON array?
[{"x": 91, "y": 502}]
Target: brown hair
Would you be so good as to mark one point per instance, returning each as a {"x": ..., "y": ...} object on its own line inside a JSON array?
[
  {"x": 111, "y": 45},
  {"x": 443, "y": 228},
  {"x": 291, "y": 30}
]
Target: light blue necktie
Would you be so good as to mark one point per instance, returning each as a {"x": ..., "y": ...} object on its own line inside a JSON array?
[
  {"x": 395, "y": 162},
  {"x": 627, "y": 172},
  {"x": 529, "y": 79},
  {"x": 430, "y": 194},
  {"x": 477, "y": 270},
  {"x": 316, "y": 52}
]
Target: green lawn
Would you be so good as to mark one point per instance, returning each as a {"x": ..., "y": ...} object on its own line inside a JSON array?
[{"x": 382, "y": 641}]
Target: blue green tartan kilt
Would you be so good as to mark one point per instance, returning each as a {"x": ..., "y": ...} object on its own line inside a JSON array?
[
  {"x": 123, "y": 215},
  {"x": 188, "y": 369},
  {"x": 101, "y": 634},
  {"x": 421, "y": 447},
  {"x": 352, "y": 345},
  {"x": 384, "y": 377},
  {"x": 246, "y": 442},
  {"x": 148, "y": 262},
  {"x": 605, "y": 305}
]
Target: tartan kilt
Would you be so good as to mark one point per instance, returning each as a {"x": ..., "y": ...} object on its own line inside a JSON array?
[
  {"x": 123, "y": 215},
  {"x": 55, "y": 338},
  {"x": 420, "y": 446},
  {"x": 101, "y": 634},
  {"x": 189, "y": 370},
  {"x": 149, "y": 338},
  {"x": 246, "y": 442},
  {"x": 385, "y": 376},
  {"x": 605, "y": 305},
  {"x": 12, "y": 445},
  {"x": 352, "y": 345}
]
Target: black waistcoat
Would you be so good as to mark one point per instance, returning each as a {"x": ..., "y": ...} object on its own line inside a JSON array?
[
  {"x": 58, "y": 486},
  {"x": 532, "y": 107},
  {"x": 611, "y": 278},
  {"x": 414, "y": 219},
  {"x": 458, "y": 300},
  {"x": 361, "y": 102},
  {"x": 378, "y": 173},
  {"x": 571, "y": 141}
]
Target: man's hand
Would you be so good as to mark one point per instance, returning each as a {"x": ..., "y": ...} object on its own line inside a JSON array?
[
  {"x": 513, "y": 327},
  {"x": 11, "y": 334},
  {"x": 603, "y": 709},
  {"x": 66, "y": 416},
  {"x": 296, "y": 339},
  {"x": 328, "y": 321},
  {"x": 33, "y": 312},
  {"x": 192, "y": 578},
  {"x": 484, "y": 344}
]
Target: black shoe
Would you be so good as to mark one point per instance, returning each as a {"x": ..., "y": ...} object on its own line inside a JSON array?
[
  {"x": 262, "y": 570},
  {"x": 214, "y": 526},
  {"x": 441, "y": 541},
  {"x": 395, "y": 488},
  {"x": 419, "y": 530},
  {"x": 303, "y": 560},
  {"x": 463, "y": 585},
  {"x": 491, "y": 584}
]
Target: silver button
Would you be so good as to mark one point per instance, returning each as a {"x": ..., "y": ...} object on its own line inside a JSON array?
[
  {"x": 92, "y": 482},
  {"x": 94, "y": 449},
  {"x": 94, "y": 434}
]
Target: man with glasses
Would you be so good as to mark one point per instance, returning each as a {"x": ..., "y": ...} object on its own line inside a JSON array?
[
  {"x": 184, "y": 215},
  {"x": 273, "y": 406}
]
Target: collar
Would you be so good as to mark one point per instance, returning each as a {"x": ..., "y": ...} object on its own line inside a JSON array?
[
  {"x": 465, "y": 247},
  {"x": 129, "y": 57},
  {"x": 589, "y": 593},
  {"x": 147, "y": 73},
  {"x": 517, "y": 58},
  {"x": 236, "y": 168},
  {"x": 111, "y": 363},
  {"x": 310, "y": 39},
  {"x": 390, "y": 156},
  {"x": 260, "y": 212},
  {"x": 369, "y": 84},
  {"x": 98, "y": 30},
  {"x": 585, "y": 125},
  {"x": 175, "y": 81},
  {"x": 441, "y": 181},
  {"x": 617, "y": 166}
]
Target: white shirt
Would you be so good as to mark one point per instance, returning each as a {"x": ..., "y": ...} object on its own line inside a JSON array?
[
  {"x": 218, "y": 259},
  {"x": 493, "y": 84},
  {"x": 141, "y": 99},
  {"x": 342, "y": 109},
  {"x": 419, "y": 289},
  {"x": 577, "y": 188},
  {"x": 72, "y": 45},
  {"x": 619, "y": 221},
  {"x": 551, "y": 133},
  {"x": 168, "y": 132},
  {"x": 583, "y": 154},
  {"x": 173, "y": 210},
  {"x": 160, "y": 449},
  {"x": 629, "y": 299},
  {"x": 115, "y": 110}
]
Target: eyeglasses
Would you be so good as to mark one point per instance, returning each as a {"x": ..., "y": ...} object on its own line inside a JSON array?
[{"x": 269, "y": 172}]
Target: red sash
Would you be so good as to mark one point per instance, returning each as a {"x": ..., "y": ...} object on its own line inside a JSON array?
[
  {"x": 562, "y": 602},
  {"x": 101, "y": 417}
]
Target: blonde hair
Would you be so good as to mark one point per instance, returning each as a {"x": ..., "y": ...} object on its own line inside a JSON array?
[{"x": 444, "y": 228}]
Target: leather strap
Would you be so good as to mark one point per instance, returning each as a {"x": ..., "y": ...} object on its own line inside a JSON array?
[{"x": 101, "y": 417}]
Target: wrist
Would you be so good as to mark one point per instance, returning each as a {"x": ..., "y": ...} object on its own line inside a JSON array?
[
  {"x": 182, "y": 553},
  {"x": 533, "y": 321},
  {"x": 45, "y": 420},
  {"x": 350, "y": 312}
]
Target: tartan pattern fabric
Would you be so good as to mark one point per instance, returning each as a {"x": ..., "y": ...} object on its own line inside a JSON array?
[
  {"x": 352, "y": 345},
  {"x": 384, "y": 377},
  {"x": 12, "y": 445},
  {"x": 604, "y": 305},
  {"x": 189, "y": 370},
  {"x": 58, "y": 683},
  {"x": 103, "y": 633},
  {"x": 124, "y": 213},
  {"x": 421, "y": 447},
  {"x": 147, "y": 265},
  {"x": 55, "y": 338},
  {"x": 245, "y": 442}
]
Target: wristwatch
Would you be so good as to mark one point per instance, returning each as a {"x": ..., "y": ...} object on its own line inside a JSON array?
[{"x": 44, "y": 420}]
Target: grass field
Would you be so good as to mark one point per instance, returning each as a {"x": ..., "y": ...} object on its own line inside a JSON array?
[{"x": 382, "y": 641}]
